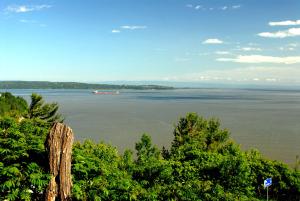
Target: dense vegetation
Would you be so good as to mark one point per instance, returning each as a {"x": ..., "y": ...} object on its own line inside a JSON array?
[
  {"x": 72, "y": 85},
  {"x": 202, "y": 163},
  {"x": 10, "y": 104}
]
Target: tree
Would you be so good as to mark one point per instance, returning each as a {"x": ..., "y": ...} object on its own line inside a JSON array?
[
  {"x": 11, "y": 105},
  {"x": 203, "y": 163},
  {"x": 208, "y": 161},
  {"x": 23, "y": 171},
  {"x": 44, "y": 111},
  {"x": 99, "y": 174},
  {"x": 205, "y": 134},
  {"x": 285, "y": 181}
]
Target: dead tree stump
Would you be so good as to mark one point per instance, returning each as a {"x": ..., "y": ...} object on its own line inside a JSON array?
[{"x": 59, "y": 144}]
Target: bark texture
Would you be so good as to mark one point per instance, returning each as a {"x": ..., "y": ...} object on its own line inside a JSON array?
[{"x": 59, "y": 143}]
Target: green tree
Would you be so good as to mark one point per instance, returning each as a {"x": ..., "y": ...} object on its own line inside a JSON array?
[
  {"x": 11, "y": 105},
  {"x": 44, "y": 111},
  {"x": 205, "y": 134},
  {"x": 208, "y": 161},
  {"x": 203, "y": 163},
  {"x": 22, "y": 159},
  {"x": 99, "y": 174},
  {"x": 151, "y": 171},
  {"x": 286, "y": 182}
]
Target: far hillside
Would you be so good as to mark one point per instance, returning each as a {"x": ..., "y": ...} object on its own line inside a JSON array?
[{"x": 73, "y": 85}]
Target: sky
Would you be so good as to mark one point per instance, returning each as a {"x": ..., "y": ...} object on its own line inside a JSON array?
[{"x": 228, "y": 41}]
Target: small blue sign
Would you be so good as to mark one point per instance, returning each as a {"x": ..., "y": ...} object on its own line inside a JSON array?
[{"x": 267, "y": 182}]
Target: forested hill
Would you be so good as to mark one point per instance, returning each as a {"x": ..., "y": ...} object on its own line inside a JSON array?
[{"x": 72, "y": 85}]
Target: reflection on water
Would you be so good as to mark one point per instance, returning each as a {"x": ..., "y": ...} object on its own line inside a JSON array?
[{"x": 263, "y": 119}]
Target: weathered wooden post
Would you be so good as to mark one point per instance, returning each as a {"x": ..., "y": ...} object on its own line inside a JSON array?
[{"x": 59, "y": 143}]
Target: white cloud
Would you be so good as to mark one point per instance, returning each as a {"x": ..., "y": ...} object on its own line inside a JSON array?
[
  {"x": 202, "y": 8},
  {"x": 293, "y": 45},
  {"x": 203, "y": 54},
  {"x": 28, "y": 21},
  {"x": 212, "y": 41},
  {"x": 281, "y": 34},
  {"x": 247, "y": 74},
  {"x": 236, "y": 6},
  {"x": 285, "y": 23},
  {"x": 222, "y": 52},
  {"x": 198, "y": 7},
  {"x": 253, "y": 44},
  {"x": 286, "y": 48},
  {"x": 251, "y": 49},
  {"x": 262, "y": 59},
  {"x": 33, "y": 22},
  {"x": 26, "y": 8},
  {"x": 133, "y": 27},
  {"x": 115, "y": 31},
  {"x": 289, "y": 47},
  {"x": 128, "y": 27}
]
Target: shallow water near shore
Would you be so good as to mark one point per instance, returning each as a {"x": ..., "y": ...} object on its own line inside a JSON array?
[{"x": 264, "y": 119}]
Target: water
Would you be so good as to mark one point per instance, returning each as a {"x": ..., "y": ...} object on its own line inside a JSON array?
[{"x": 264, "y": 119}]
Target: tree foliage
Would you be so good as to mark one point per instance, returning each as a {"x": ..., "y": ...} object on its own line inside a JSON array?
[
  {"x": 22, "y": 159},
  {"x": 12, "y": 105},
  {"x": 202, "y": 163},
  {"x": 44, "y": 111},
  {"x": 98, "y": 174}
]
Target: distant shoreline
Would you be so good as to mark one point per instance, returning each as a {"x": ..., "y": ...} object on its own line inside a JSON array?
[
  {"x": 74, "y": 85},
  {"x": 6, "y": 85}
]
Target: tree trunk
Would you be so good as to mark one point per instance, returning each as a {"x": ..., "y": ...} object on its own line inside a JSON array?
[{"x": 59, "y": 143}]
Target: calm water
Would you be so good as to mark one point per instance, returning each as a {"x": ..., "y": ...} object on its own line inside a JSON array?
[{"x": 267, "y": 120}]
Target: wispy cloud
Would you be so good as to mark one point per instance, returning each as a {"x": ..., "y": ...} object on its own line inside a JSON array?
[
  {"x": 222, "y": 52},
  {"x": 253, "y": 44},
  {"x": 203, "y": 8},
  {"x": 212, "y": 41},
  {"x": 224, "y": 8},
  {"x": 198, "y": 7},
  {"x": 236, "y": 6},
  {"x": 281, "y": 34},
  {"x": 286, "y": 48},
  {"x": 203, "y": 54},
  {"x": 263, "y": 74},
  {"x": 115, "y": 31},
  {"x": 28, "y": 21},
  {"x": 262, "y": 59},
  {"x": 25, "y": 8},
  {"x": 293, "y": 45},
  {"x": 289, "y": 47},
  {"x": 285, "y": 23},
  {"x": 133, "y": 27},
  {"x": 128, "y": 27},
  {"x": 251, "y": 49},
  {"x": 34, "y": 22}
]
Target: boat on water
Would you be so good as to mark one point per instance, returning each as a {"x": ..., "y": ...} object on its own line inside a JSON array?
[{"x": 106, "y": 92}]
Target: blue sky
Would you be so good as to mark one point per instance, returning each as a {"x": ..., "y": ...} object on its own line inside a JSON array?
[{"x": 240, "y": 41}]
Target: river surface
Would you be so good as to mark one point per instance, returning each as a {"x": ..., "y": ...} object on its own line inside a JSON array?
[{"x": 268, "y": 120}]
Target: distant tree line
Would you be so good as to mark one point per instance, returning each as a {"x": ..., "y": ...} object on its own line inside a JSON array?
[
  {"x": 72, "y": 85},
  {"x": 10, "y": 104},
  {"x": 202, "y": 163}
]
